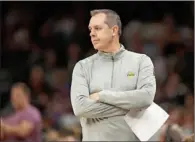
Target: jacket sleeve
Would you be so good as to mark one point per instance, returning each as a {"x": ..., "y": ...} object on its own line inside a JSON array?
[
  {"x": 82, "y": 105},
  {"x": 140, "y": 98}
]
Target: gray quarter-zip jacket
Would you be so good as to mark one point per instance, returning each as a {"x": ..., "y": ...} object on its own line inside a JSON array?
[{"x": 125, "y": 81}]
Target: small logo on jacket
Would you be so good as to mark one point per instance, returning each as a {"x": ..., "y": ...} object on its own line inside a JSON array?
[{"x": 130, "y": 74}]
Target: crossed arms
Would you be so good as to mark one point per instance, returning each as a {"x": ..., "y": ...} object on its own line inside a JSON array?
[
  {"x": 23, "y": 129},
  {"x": 111, "y": 103}
]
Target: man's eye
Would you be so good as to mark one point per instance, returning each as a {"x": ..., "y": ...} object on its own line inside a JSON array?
[{"x": 97, "y": 28}]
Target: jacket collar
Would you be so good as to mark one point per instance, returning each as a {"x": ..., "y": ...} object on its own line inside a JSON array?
[{"x": 114, "y": 56}]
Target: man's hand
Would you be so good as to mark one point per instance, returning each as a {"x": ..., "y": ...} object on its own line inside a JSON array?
[
  {"x": 22, "y": 129},
  {"x": 94, "y": 96}
]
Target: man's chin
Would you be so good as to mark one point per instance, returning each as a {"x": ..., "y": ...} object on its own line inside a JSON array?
[{"x": 97, "y": 47}]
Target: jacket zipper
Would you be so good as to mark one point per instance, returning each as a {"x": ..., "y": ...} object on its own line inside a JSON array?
[{"x": 112, "y": 72}]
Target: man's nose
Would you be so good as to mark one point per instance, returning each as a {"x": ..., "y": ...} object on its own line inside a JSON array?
[{"x": 92, "y": 34}]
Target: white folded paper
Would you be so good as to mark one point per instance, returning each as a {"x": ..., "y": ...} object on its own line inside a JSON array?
[{"x": 147, "y": 122}]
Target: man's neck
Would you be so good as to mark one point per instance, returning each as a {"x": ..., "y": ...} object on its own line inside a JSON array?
[
  {"x": 23, "y": 107},
  {"x": 113, "y": 47}
]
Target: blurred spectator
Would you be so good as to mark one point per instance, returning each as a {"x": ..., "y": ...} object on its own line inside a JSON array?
[
  {"x": 188, "y": 125},
  {"x": 41, "y": 91},
  {"x": 25, "y": 122},
  {"x": 50, "y": 60},
  {"x": 74, "y": 52},
  {"x": 51, "y": 135},
  {"x": 36, "y": 80},
  {"x": 189, "y": 138},
  {"x": 66, "y": 135},
  {"x": 132, "y": 36}
]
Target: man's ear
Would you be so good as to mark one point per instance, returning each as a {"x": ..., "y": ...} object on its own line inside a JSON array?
[{"x": 115, "y": 30}]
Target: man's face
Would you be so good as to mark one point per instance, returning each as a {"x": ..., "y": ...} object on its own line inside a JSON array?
[
  {"x": 101, "y": 35},
  {"x": 50, "y": 57},
  {"x": 37, "y": 75},
  {"x": 73, "y": 51},
  {"x": 17, "y": 97}
]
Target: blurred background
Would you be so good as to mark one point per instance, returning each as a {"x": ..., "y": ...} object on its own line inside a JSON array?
[{"x": 42, "y": 41}]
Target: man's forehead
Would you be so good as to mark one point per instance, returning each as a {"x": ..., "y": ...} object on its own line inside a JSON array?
[
  {"x": 98, "y": 19},
  {"x": 16, "y": 89}
]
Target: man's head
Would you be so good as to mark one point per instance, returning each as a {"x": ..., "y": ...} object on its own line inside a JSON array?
[
  {"x": 20, "y": 94},
  {"x": 73, "y": 51},
  {"x": 105, "y": 28},
  {"x": 36, "y": 75}
]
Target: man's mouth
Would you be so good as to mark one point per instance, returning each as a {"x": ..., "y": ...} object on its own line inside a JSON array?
[{"x": 95, "y": 41}]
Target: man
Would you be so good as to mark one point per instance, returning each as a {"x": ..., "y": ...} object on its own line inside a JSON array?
[
  {"x": 110, "y": 83},
  {"x": 25, "y": 123}
]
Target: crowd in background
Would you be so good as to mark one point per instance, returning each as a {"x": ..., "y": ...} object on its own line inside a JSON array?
[{"x": 40, "y": 46}]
